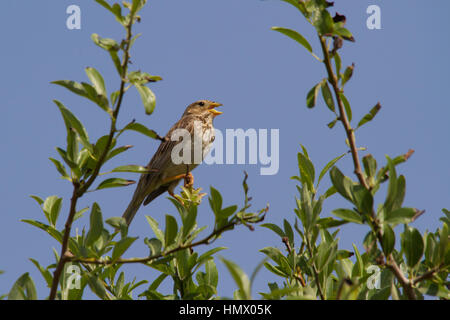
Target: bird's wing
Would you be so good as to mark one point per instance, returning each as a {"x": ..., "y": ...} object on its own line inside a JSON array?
[{"x": 163, "y": 156}]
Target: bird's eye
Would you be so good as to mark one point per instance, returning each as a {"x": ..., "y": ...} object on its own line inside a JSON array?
[{"x": 201, "y": 103}]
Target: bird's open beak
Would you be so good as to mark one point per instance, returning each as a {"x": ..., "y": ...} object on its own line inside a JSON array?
[{"x": 214, "y": 111}]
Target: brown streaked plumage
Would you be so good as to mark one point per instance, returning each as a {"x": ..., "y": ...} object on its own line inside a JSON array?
[{"x": 165, "y": 174}]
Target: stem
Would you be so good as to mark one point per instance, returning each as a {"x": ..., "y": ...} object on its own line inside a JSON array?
[
  {"x": 392, "y": 264},
  {"x": 316, "y": 272},
  {"x": 342, "y": 115},
  {"x": 112, "y": 130},
  {"x": 80, "y": 190},
  {"x": 64, "y": 252}
]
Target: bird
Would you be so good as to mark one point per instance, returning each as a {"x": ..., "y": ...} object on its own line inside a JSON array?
[{"x": 163, "y": 173}]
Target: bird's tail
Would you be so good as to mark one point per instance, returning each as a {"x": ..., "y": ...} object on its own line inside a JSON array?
[
  {"x": 135, "y": 203},
  {"x": 133, "y": 207}
]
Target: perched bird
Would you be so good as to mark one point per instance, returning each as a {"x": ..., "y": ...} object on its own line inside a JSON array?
[{"x": 164, "y": 175}]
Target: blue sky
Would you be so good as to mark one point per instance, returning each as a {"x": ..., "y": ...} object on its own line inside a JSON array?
[{"x": 223, "y": 51}]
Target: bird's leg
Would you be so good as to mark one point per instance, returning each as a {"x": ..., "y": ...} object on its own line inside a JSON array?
[{"x": 188, "y": 179}]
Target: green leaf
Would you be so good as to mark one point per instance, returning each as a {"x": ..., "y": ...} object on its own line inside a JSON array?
[
  {"x": 342, "y": 183},
  {"x": 97, "y": 286},
  {"x": 344, "y": 33},
  {"x": 239, "y": 277},
  {"x": 311, "y": 98},
  {"x": 392, "y": 188},
  {"x": 348, "y": 109},
  {"x": 96, "y": 225},
  {"x": 307, "y": 171},
  {"x": 141, "y": 129},
  {"x": 121, "y": 246},
  {"x": 155, "y": 284},
  {"x": 275, "y": 254},
  {"x": 207, "y": 255},
  {"x": 114, "y": 182},
  {"x": 154, "y": 225},
  {"x": 443, "y": 242},
  {"x": 370, "y": 165},
  {"x": 154, "y": 245},
  {"x": 49, "y": 229},
  {"x": 362, "y": 198},
  {"x": 182, "y": 257},
  {"x": 23, "y": 289},
  {"x": 328, "y": 166},
  {"x": 412, "y": 246},
  {"x": 38, "y": 199},
  {"x": 402, "y": 215},
  {"x": 210, "y": 277},
  {"x": 368, "y": 117},
  {"x": 348, "y": 215},
  {"x": 52, "y": 207},
  {"x": 132, "y": 168},
  {"x": 148, "y": 98},
  {"x": 80, "y": 213},
  {"x": 324, "y": 23},
  {"x": 117, "y": 151},
  {"x": 299, "y": 5},
  {"x": 73, "y": 86},
  {"x": 332, "y": 123},
  {"x": 44, "y": 272},
  {"x": 97, "y": 81},
  {"x": 295, "y": 36},
  {"x": 348, "y": 73},
  {"x": 274, "y": 228},
  {"x": 388, "y": 242},
  {"x": 400, "y": 194},
  {"x": 105, "y": 43},
  {"x": 69, "y": 162},
  {"x": 289, "y": 232},
  {"x": 116, "y": 10},
  {"x": 60, "y": 167},
  {"x": 330, "y": 223},
  {"x": 138, "y": 77},
  {"x": 327, "y": 96},
  {"x": 189, "y": 219},
  {"x": 73, "y": 121},
  {"x": 118, "y": 223},
  {"x": 228, "y": 211},
  {"x": 171, "y": 230},
  {"x": 358, "y": 268},
  {"x": 338, "y": 64},
  {"x": 275, "y": 270},
  {"x": 215, "y": 201}
]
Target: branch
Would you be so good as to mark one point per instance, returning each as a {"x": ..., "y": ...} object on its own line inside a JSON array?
[
  {"x": 78, "y": 189},
  {"x": 427, "y": 275},
  {"x": 65, "y": 255},
  {"x": 392, "y": 264},
  {"x": 342, "y": 115},
  {"x": 214, "y": 235}
]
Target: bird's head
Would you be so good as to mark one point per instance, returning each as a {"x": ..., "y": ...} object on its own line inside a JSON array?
[{"x": 203, "y": 108}]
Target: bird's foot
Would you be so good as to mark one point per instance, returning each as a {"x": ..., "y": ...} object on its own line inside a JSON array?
[
  {"x": 188, "y": 180},
  {"x": 178, "y": 198}
]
